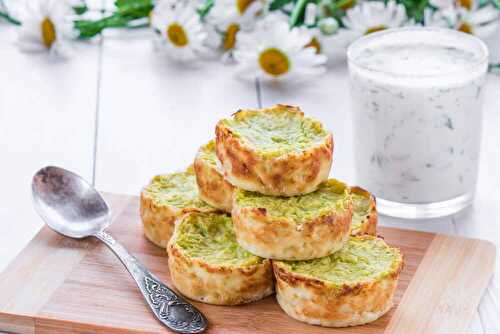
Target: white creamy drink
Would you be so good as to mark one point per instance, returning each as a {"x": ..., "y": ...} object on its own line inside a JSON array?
[{"x": 416, "y": 102}]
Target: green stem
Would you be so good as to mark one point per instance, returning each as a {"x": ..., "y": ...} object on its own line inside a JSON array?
[
  {"x": 10, "y": 19},
  {"x": 494, "y": 67},
  {"x": 342, "y": 3},
  {"x": 89, "y": 29},
  {"x": 298, "y": 12},
  {"x": 335, "y": 8},
  {"x": 128, "y": 11}
]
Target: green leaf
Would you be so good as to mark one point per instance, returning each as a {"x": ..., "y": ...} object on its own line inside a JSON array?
[
  {"x": 337, "y": 8},
  {"x": 496, "y": 3},
  {"x": 134, "y": 8},
  {"x": 415, "y": 8},
  {"x": 126, "y": 15},
  {"x": 277, "y": 4},
  {"x": 89, "y": 28},
  {"x": 205, "y": 8},
  {"x": 80, "y": 9}
]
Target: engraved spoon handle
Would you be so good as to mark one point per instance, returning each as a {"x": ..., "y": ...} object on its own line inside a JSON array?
[{"x": 172, "y": 310}]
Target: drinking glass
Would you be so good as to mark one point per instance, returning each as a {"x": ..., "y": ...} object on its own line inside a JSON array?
[{"x": 416, "y": 99}]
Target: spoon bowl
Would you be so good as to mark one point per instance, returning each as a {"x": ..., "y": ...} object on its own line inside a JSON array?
[{"x": 68, "y": 204}]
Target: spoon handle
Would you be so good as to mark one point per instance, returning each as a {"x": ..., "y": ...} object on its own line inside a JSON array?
[{"x": 172, "y": 310}]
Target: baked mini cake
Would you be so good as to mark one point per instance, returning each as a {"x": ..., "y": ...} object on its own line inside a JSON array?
[
  {"x": 353, "y": 286},
  {"x": 207, "y": 264},
  {"x": 364, "y": 217},
  {"x": 213, "y": 188},
  {"x": 293, "y": 228},
  {"x": 275, "y": 151},
  {"x": 164, "y": 200}
]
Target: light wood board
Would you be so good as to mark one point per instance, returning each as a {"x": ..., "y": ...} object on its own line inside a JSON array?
[{"x": 58, "y": 285}]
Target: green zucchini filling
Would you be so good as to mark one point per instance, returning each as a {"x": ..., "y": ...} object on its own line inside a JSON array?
[
  {"x": 210, "y": 237},
  {"x": 331, "y": 195},
  {"x": 276, "y": 131},
  {"x": 176, "y": 189},
  {"x": 207, "y": 153},
  {"x": 362, "y": 259},
  {"x": 361, "y": 210}
]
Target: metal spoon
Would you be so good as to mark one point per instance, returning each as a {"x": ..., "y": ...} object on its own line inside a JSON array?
[{"x": 72, "y": 207}]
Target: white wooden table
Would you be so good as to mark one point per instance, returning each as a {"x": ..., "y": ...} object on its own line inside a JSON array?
[{"x": 117, "y": 114}]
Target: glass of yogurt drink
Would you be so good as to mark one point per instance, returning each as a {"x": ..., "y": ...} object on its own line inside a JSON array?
[{"x": 416, "y": 99}]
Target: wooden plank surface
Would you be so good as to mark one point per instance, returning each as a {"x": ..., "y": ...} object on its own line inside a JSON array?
[
  {"x": 445, "y": 287},
  {"x": 60, "y": 285}
]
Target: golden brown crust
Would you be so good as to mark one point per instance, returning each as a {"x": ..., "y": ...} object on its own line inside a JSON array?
[
  {"x": 213, "y": 188},
  {"x": 282, "y": 239},
  {"x": 288, "y": 175},
  {"x": 316, "y": 302},
  {"x": 220, "y": 285},
  {"x": 159, "y": 220},
  {"x": 369, "y": 225}
]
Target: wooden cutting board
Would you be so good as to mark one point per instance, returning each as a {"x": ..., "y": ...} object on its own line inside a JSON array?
[{"x": 58, "y": 285}]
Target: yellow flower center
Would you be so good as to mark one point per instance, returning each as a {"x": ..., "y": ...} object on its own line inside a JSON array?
[
  {"x": 467, "y": 4},
  {"x": 466, "y": 27},
  {"x": 230, "y": 36},
  {"x": 177, "y": 35},
  {"x": 274, "y": 62},
  {"x": 314, "y": 44},
  {"x": 375, "y": 29},
  {"x": 242, "y": 5},
  {"x": 48, "y": 32}
]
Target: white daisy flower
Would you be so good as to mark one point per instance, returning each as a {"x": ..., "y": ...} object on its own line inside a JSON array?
[
  {"x": 326, "y": 37},
  {"x": 323, "y": 37},
  {"x": 445, "y": 18},
  {"x": 46, "y": 25},
  {"x": 330, "y": 45},
  {"x": 450, "y": 4},
  {"x": 231, "y": 16},
  {"x": 273, "y": 51},
  {"x": 443, "y": 4},
  {"x": 482, "y": 22},
  {"x": 372, "y": 16},
  {"x": 469, "y": 4},
  {"x": 180, "y": 34},
  {"x": 367, "y": 17}
]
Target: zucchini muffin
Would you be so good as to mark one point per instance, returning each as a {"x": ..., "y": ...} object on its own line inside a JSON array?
[
  {"x": 294, "y": 228},
  {"x": 213, "y": 188},
  {"x": 364, "y": 217},
  {"x": 207, "y": 264},
  {"x": 164, "y": 200},
  {"x": 275, "y": 151},
  {"x": 351, "y": 287}
]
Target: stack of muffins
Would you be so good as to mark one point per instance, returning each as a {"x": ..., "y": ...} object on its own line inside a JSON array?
[{"x": 257, "y": 214}]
